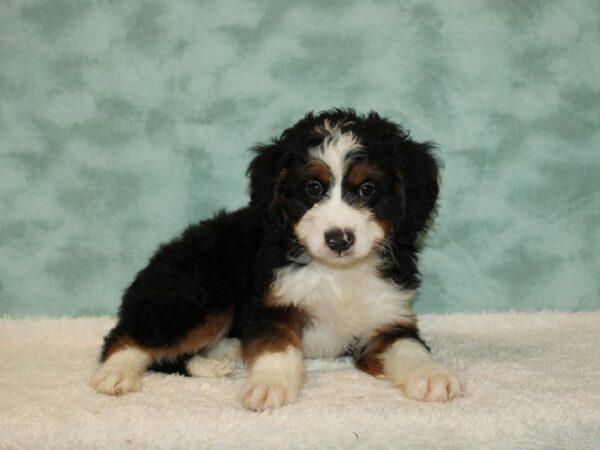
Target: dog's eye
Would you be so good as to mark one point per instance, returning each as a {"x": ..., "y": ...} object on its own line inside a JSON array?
[
  {"x": 366, "y": 189},
  {"x": 314, "y": 189}
]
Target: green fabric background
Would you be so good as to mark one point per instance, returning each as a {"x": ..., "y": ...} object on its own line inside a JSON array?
[{"x": 122, "y": 122}]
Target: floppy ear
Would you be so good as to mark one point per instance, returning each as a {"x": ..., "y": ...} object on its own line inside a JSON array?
[
  {"x": 266, "y": 172},
  {"x": 417, "y": 172}
]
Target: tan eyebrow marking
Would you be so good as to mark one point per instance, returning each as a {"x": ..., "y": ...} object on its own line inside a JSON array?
[
  {"x": 360, "y": 172},
  {"x": 319, "y": 170}
]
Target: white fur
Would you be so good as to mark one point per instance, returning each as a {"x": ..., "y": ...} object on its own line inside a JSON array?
[
  {"x": 121, "y": 372},
  {"x": 219, "y": 361},
  {"x": 201, "y": 366},
  {"x": 275, "y": 380},
  {"x": 346, "y": 303},
  {"x": 334, "y": 212},
  {"x": 410, "y": 366},
  {"x": 334, "y": 149},
  {"x": 226, "y": 348}
]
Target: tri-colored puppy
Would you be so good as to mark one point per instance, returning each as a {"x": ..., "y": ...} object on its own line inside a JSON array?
[{"x": 322, "y": 263}]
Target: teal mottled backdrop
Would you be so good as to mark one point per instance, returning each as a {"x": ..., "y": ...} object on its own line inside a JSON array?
[{"x": 122, "y": 122}]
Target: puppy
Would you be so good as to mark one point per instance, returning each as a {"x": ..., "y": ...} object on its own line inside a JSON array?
[{"x": 321, "y": 263}]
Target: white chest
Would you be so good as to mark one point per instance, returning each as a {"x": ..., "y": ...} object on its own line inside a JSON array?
[{"x": 345, "y": 303}]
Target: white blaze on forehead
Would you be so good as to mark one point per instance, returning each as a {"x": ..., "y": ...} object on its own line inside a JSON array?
[{"x": 334, "y": 149}]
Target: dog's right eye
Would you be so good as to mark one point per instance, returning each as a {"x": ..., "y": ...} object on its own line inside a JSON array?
[{"x": 314, "y": 189}]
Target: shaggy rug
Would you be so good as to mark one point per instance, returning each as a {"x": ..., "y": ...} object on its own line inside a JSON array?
[{"x": 532, "y": 381}]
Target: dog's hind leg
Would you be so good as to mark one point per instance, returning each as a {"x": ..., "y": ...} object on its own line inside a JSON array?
[
  {"x": 122, "y": 370},
  {"x": 218, "y": 361},
  {"x": 125, "y": 358}
]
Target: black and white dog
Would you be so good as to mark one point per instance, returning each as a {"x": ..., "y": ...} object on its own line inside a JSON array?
[{"x": 322, "y": 263}]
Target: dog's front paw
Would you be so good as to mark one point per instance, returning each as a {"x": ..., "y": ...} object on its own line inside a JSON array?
[
  {"x": 431, "y": 382},
  {"x": 116, "y": 379},
  {"x": 259, "y": 396},
  {"x": 275, "y": 380}
]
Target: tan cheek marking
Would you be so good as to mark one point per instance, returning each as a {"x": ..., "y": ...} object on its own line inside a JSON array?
[{"x": 385, "y": 225}]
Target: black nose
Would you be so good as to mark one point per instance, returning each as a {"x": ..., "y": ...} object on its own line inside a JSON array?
[{"x": 339, "y": 240}]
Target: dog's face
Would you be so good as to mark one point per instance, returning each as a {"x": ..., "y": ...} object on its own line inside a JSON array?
[
  {"x": 342, "y": 199},
  {"x": 345, "y": 184}
]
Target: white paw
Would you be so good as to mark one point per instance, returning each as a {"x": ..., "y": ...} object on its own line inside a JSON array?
[
  {"x": 431, "y": 382},
  {"x": 121, "y": 372},
  {"x": 200, "y": 366},
  {"x": 261, "y": 396},
  {"x": 116, "y": 379},
  {"x": 275, "y": 380}
]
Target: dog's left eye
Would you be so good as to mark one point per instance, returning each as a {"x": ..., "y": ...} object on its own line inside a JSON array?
[
  {"x": 366, "y": 189},
  {"x": 314, "y": 189}
]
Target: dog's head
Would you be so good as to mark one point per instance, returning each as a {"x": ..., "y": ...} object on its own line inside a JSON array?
[{"x": 344, "y": 184}]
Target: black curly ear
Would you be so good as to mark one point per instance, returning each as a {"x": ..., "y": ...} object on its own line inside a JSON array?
[
  {"x": 417, "y": 172},
  {"x": 266, "y": 172}
]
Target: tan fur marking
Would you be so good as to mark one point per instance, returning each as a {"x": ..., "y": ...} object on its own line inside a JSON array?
[
  {"x": 380, "y": 341},
  {"x": 360, "y": 172},
  {"x": 285, "y": 329},
  {"x": 319, "y": 170},
  {"x": 385, "y": 225},
  {"x": 197, "y": 338}
]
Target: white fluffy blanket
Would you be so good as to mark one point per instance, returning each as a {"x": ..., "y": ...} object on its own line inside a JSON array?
[{"x": 532, "y": 381}]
